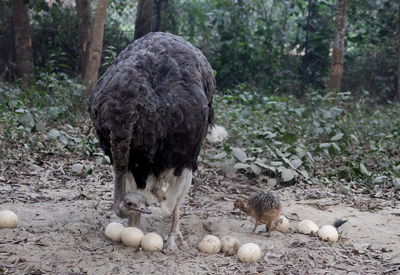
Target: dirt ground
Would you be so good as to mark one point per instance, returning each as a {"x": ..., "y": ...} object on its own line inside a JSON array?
[{"x": 63, "y": 216}]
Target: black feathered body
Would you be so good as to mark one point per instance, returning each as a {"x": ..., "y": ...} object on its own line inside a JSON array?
[{"x": 152, "y": 107}]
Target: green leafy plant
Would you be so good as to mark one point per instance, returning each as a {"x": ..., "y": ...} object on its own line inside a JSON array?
[{"x": 333, "y": 136}]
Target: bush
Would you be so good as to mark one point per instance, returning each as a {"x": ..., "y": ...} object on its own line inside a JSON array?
[
  {"x": 331, "y": 137},
  {"x": 52, "y": 100}
]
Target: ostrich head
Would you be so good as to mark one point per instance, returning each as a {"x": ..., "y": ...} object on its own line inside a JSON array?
[{"x": 133, "y": 203}]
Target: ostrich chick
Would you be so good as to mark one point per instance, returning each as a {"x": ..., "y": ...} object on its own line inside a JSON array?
[{"x": 264, "y": 207}]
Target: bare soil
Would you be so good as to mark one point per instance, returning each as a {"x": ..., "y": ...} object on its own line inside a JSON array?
[{"x": 63, "y": 216}]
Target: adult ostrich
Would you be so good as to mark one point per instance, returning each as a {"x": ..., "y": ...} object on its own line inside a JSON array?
[{"x": 151, "y": 110}]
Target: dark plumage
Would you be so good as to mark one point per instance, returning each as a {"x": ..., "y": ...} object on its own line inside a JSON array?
[
  {"x": 264, "y": 207},
  {"x": 151, "y": 110}
]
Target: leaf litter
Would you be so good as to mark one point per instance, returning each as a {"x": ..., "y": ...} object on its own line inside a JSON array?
[{"x": 64, "y": 211}]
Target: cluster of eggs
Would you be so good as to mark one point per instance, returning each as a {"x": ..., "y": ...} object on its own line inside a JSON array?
[
  {"x": 134, "y": 237},
  {"x": 327, "y": 232},
  {"x": 249, "y": 252}
]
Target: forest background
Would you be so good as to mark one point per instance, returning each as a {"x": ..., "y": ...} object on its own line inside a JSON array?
[{"x": 307, "y": 88}]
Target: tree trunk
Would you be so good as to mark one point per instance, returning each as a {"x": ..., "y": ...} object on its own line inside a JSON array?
[
  {"x": 144, "y": 14},
  {"x": 397, "y": 97},
  {"x": 305, "y": 63},
  {"x": 84, "y": 26},
  {"x": 335, "y": 80},
  {"x": 157, "y": 15},
  {"x": 23, "y": 41},
  {"x": 161, "y": 15},
  {"x": 96, "y": 45}
]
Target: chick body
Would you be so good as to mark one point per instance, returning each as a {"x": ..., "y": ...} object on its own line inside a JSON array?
[{"x": 265, "y": 208}]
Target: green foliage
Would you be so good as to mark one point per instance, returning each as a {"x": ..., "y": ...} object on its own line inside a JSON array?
[
  {"x": 55, "y": 38},
  {"x": 280, "y": 47},
  {"x": 332, "y": 136},
  {"x": 109, "y": 55},
  {"x": 245, "y": 41},
  {"x": 54, "y": 41},
  {"x": 371, "y": 44},
  {"x": 284, "y": 46},
  {"x": 7, "y": 53},
  {"x": 53, "y": 99},
  {"x": 115, "y": 40},
  {"x": 315, "y": 41}
]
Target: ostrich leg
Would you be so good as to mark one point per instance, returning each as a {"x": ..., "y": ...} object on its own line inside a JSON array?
[
  {"x": 120, "y": 156},
  {"x": 175, "y": 234},
  {"x": 119, "y": 191}
]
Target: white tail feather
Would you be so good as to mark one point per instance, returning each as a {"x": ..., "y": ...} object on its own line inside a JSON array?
[{"x": 216, "y": 134}]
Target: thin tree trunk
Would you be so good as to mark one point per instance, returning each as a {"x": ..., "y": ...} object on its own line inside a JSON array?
[
  {"x": 143, "y": 18},
  {"x": 96, "y": 46},
  {"x": 23, "y": 41},
  {"x": 162, "y": 14},
  {"x": 84, "y": 26},
  {"x": 335, "y": 80},
  {"x": 157, "y": 15},
  {"x": 305, "y": 64},
  {"x": 397, "y": 97}
]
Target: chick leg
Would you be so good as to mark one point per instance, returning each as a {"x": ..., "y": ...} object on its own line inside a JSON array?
[
  {"x": 255, "y": 226},
  {"x": 268, "y": 228}
]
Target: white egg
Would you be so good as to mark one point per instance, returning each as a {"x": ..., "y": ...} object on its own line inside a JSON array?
[
  {"x": 113, "y": 231},
  {"x": 249, "y": 252},
  {"x": 131, "y": 236},
  {"x": 210, "y": 244},
  {"x": 230, "y": 245},
  {"x": 328, "y": 233},
  {"x": 307, "y": 227},
  {"x": 282, "y": 224},
  {"x": 8, "y": 219},
  {"x": 152, "y": 242}
]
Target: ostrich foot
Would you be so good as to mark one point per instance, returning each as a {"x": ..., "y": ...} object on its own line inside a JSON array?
[
  {"x": 174, "y": 238},
  {"x": 171, "y": 246}
]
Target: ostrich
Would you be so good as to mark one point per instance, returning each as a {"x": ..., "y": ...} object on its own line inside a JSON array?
[
  {"x": 264, "y": 207},
  {"x": 152, "y": 109}
]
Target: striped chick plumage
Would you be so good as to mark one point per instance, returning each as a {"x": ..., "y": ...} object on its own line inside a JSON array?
[{"x": 265, "y": 208}]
